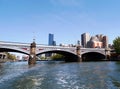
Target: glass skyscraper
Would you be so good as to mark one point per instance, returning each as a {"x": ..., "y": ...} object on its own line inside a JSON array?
[
  {"x": 51, "y": 39},
  {"x": 51, "y": 42}
]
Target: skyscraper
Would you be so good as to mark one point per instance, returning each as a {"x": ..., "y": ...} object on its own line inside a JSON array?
[
  {"x": 85, "y": 37},
  {"x": 51, "y": 39},
  {"x": 51, "y": 42}
]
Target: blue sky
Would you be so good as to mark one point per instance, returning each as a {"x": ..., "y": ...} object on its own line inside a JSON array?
[{"x": 20, "y": 20}]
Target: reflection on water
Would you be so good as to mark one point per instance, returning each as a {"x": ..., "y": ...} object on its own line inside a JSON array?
[{"x": 60, "y": 75}]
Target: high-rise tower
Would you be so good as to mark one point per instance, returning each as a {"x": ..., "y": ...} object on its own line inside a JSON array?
[
  {"x": 85, "y": 37},
  {"x": 51, "y": 39},
  {"x": 105, "y": 42}
]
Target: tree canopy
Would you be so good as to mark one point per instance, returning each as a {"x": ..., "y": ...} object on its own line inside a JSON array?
[
  {"x": 11, "y": 56},
  {"x": 57, "y": 56},
  {"x": 116, "y": 44}
]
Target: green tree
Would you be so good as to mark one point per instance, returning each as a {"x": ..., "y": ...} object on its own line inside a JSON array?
[
  {"x": 11, "y": 56},
  {"x": 116, "y": 45},
  {"x": 57, "y": 57}
]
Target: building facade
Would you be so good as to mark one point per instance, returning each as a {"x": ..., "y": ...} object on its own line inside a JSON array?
[
  {"x": 85, "y": 37},
  {"x": 105, "y": 42},
  {"x": 51, "y": 40},
  {"x": 3, "y": 55},
  {"x": 98, "y": 41}
]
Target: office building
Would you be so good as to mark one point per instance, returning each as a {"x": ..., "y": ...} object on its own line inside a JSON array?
[
  {"x": 51, "y": 39},
  {"x": 85, "y": 37},
  {"x": 105, "y": 42},
  {"x": 98, "y": 41},
  {"x": 94, "y": 42},
  {"x": 51, "y": 42}
]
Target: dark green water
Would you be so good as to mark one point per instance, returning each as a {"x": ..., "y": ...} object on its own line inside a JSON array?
[{"x": 60, "y": 75}]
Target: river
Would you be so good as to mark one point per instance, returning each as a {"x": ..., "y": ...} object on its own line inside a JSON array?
[{"x": 60, "y": 75}]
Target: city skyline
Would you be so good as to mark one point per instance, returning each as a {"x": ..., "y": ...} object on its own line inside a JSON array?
[{"x": 21, "y": 20}]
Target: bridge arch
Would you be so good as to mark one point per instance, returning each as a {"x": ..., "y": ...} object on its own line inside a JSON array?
[
  {"x": 69, "y": 56},
  {"x": 93, "y": 56},
  {"x": 10, "y": 49}
]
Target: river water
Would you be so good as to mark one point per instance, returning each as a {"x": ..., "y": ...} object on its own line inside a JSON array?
[{"x": 60, "y": 75}]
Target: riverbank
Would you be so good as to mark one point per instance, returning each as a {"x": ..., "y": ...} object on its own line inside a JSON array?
[
  {"x": 115, "y": 57},
  {"x": 6, "y": 60}
]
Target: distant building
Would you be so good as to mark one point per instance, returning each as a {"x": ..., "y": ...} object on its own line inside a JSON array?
[
  {"x": 25, "y": 57},
  {"x": 54, "y": 43},
  {"x": 94, "y": 43},
  {"x": 105, "y": 42},
  {"x": 3, "y": 55},
  {"x": 97, "y": 44},
  {"x": 100, "y": 37},
  {"x": 110, "y": 46},
  {"x": 51, "y": 41},
  {"x": 98, "y": 41},
  {"x": 85, "y": 37},
  {"x": 18, "y": 58}
]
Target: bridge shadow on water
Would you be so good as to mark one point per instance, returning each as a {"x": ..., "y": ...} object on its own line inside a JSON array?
[{"x": 93, "y": 56}]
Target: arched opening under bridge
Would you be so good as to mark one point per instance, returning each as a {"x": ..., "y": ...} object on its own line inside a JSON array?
[
  {"x": 68, "y": 56},
  {"x": 93, "y": 56},
  {"x": 13, "y": 50},
  {"x": 14, "y": 54}
]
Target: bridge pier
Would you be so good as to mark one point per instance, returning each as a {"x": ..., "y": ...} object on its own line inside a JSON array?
[
  {"x": 107, "y": 53},
  {"x": 78, "y": 53},
  {"x": 32, "y": 56}
]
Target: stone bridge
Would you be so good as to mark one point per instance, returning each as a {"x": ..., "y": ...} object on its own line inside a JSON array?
[{"x": 69, "y": 52}]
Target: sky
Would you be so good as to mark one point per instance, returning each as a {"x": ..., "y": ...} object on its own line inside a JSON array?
[{"x": 23, "y": 20}]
